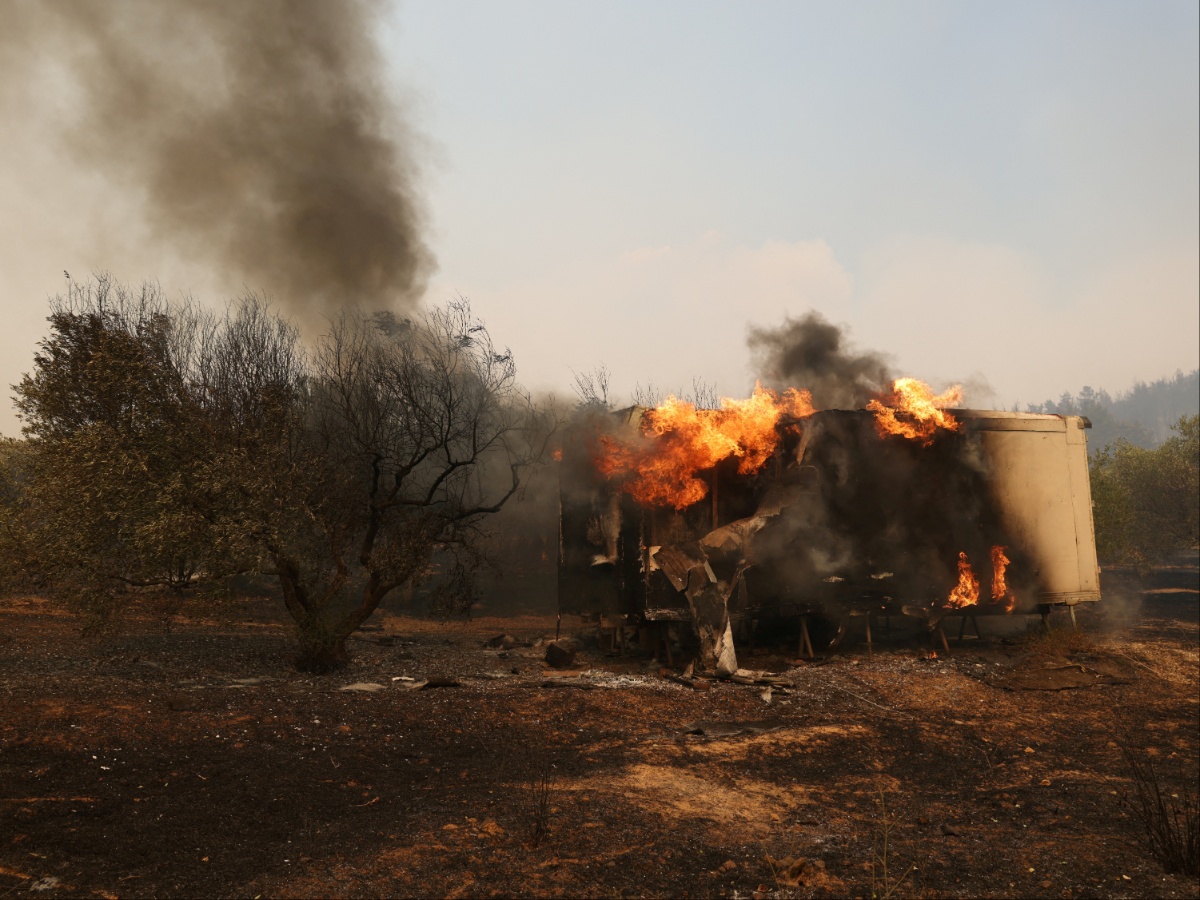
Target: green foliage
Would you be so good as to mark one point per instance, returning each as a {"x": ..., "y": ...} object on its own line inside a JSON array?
[
  {"x": 115, "y": 491},
  {"x": 1147, "y": 502},
  {"x": 15, "y": 569}
]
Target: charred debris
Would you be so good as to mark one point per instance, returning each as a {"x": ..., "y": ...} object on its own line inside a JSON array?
[{"x": 844, "y": 513}]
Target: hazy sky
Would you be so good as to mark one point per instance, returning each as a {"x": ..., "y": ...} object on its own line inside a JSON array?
[{"x": 1001, "y": 193}]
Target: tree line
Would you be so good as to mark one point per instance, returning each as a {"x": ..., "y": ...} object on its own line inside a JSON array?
[
  {"x": 166, "y": 446},
  {"x": 1144, "y": 464},
  {"x": 1144, "y": 415}
]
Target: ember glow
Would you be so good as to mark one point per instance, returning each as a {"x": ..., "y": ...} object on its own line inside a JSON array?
[
  {"x": 1000, "y": 591},
  {"x": 911, "y": 410},
  {"x": 687, "y": 440},
  {"x": 966, "y": 592}
]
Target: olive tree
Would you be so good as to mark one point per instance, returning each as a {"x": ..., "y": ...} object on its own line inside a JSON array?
[
  {"x": 113, "y": 490},
  {"x": 1145, "y": 501}
]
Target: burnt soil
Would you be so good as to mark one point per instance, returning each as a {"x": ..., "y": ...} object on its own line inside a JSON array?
[{"x": 184, "y": 756}]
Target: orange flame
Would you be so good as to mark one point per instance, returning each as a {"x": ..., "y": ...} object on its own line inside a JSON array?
[
  {"x": 966, "y": 592},
  {"x": 911, "y": 410},
  {"x": 1000, "y": 591},
  {"x": 690, "y": 440}
]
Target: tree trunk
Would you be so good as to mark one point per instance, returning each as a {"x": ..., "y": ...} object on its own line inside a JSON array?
[
  {"x": 322, "y": 650},
  {"x": 323, "y": 642}
]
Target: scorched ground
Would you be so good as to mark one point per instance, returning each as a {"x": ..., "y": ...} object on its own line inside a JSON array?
[{"x": 185, "y": 757}]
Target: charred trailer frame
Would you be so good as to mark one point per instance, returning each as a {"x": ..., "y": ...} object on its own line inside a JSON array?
[{"x": 840, "y": 521}]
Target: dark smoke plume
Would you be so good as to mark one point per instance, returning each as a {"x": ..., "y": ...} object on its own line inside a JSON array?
[
  {"x": 811, "y": 353},
  {"x": 256, "y": 135}
]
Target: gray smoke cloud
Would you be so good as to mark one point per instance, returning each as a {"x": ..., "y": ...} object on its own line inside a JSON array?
[
  {"x": 253, "y": 135},
  {"x": 811, "y": 352}
]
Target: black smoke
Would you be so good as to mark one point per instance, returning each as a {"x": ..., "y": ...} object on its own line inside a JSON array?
[
  {"x": 257, "y": 137},
  {"x": 811, "y": 352}
]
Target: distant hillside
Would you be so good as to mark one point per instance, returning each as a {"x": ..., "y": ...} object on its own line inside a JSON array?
[{"x": 1143, "y": 415}]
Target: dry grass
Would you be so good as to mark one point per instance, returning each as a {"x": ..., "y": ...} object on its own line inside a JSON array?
[
  {"x": 1170, "y": 823},
  {"x": 1062, "y": 642},
  {"x": 885, "y": 883}
]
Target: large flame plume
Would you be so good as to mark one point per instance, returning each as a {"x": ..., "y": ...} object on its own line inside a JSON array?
[
  {"x": 691, "y": 440},
  {"x": 911, "y": 410}
]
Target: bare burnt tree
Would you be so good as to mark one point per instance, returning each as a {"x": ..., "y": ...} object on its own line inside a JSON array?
[
  {"x": 703, "y": 394},
  {"x": 649, "y": 395},
  {"x": 406, "y": 424},
  {"x": 592, "y": 388}
]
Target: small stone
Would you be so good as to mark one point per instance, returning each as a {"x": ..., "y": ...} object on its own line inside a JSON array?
[
  {"x": 949, "y": 830},
  {"x": 559, "y": 654},
  {"x": 727, "y": 866},
  {"x": 366, "y": 687},
  {"x": 440, "y": 681}
]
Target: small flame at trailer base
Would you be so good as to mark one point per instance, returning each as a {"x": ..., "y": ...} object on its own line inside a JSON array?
[
  {"x": 966, "y": 592},
  {"x": 1000, "y": 591},
  {"x": 690, "y": 440},
  {"x": 913, "y": 411}
]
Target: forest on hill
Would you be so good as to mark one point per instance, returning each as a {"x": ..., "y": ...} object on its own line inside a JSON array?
[{"x": 1143, "y": 415}]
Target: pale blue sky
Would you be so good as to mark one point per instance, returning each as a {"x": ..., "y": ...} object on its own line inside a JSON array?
[
  {"x": 1012, "y": 168},
  {"x": 991, "y": 192}
]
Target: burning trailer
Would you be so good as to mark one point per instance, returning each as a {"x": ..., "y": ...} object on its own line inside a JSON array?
[{"x": 769, "y": 509}]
